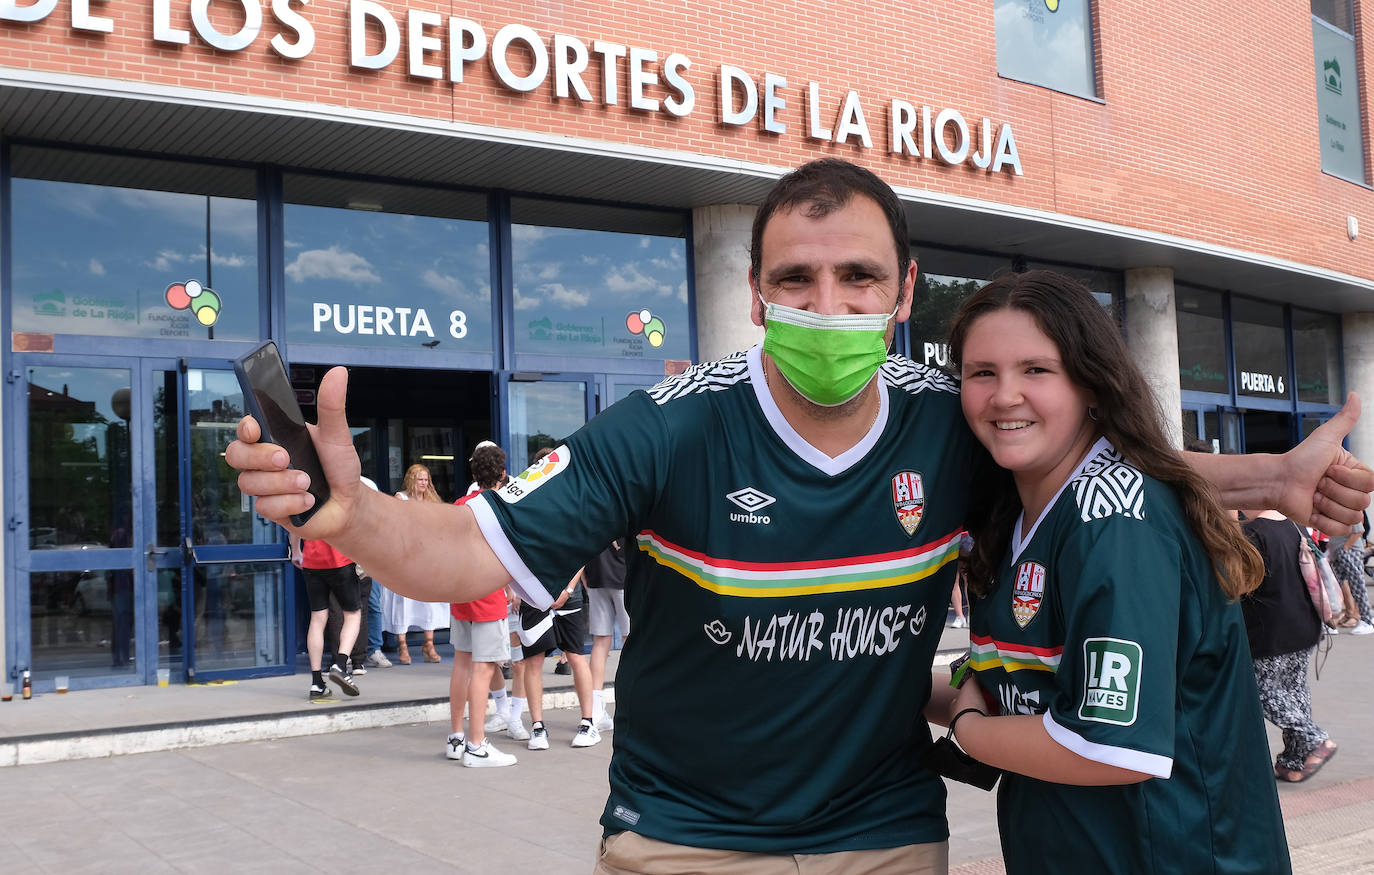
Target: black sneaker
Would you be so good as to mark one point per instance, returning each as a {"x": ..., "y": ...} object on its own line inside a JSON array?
[
  {"x": 318, "y": 691},
  {"x": 505, "y": 670},
  {"x": 344, "y": 680},
  {"x": 562, "y": 668}
]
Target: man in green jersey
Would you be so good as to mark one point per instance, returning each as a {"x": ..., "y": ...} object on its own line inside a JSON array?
[{"x": 793, "y": 515}]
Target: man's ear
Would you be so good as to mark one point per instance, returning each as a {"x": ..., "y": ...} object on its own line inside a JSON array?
[
  {"x": 907, "y": 291},
  {"x": 755, "y": 301}
]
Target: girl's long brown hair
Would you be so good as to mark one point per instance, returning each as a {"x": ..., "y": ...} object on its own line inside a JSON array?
[{"x": 1128, "y": 415}]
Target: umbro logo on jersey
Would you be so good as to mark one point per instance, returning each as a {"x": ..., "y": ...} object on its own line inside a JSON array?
[
  {"x": 750, "y": 500},
  {"x": 1027, "y": 592}
]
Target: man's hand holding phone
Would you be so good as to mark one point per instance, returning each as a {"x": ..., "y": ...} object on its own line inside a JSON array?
[{"x": 282, "y": 491}]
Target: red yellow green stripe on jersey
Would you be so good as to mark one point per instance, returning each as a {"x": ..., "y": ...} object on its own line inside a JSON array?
[
  {"x": 775, "y": 579},
  {"x": 985, "y": 653}
]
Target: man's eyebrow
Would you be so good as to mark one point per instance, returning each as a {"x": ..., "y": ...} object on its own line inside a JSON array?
[
  {"x": 863, "y": 265},
  {"x": 857, "y": 266},
  {"x": 785, "y": 270}
]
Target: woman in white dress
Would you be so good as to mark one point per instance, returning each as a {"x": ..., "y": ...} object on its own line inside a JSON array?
[{"x": 400, "y": 614}]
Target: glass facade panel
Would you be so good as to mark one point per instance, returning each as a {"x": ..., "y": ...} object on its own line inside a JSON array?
[
  {"x": 166, "y": 458},
  {"x": 170, "y": 653},
  {"x": 1340, "y": 14},
  {"x": 599, "y": 281},
  {"x": 1261, "y": 349},
  {"x": 1047, "y": 43},
  {"x": 1338, "y": 102},
  {"x": 238, "y": 619},
  {"x": 80, "y": 493},
  {"x": 1201, "y": 341},
  {"x": 386, "y": 266},
  {"x": 219, "y": 514},
  {"x": 935, "y": 301},
  {"x": 1317, "y": 351},
  {"x": 82, "y": 623},
  {"x": 542, "y": 415},
  {"x": 174, "y": 259}
]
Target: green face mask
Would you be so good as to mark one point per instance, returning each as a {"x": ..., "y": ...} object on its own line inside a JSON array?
[{"x": 828, "y": 359}]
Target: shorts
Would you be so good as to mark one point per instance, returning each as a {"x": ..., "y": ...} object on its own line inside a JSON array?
[
  {"x": 567, "y": 633},
  {"x": 486, "y": 640},
  {"x": 606, "y": 610},
  {"x": 342, "y": 582},
  {"x": 517, "y": 652}
]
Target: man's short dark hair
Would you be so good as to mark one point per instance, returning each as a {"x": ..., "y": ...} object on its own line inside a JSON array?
[
  {"x": 488, "y": 466},
  {"x": 821, "y": 187}
]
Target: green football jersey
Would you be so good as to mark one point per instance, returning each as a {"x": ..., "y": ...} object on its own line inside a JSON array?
[
  {"x": 1107, "y": 619},
  {"x": 786, "y": 606}
]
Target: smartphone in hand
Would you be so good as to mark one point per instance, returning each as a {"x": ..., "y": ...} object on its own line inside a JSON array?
[{"x": 270, "y": 400}]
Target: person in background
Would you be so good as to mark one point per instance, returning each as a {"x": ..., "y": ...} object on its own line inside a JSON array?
[
  {"x": 605, "y": 578},
  {"x": 1112, "y": 686},
  {"x": 960, "y": 593},
  {"x": 563, "y": 626},
  {"x": 327, "y": 572},
  {"x": 480, "y": 644},
  {"x": 357, "y": 656},
  {"x": 1347, "y": 561},
  {"x": 1284, "y": 629},
  {"x": 402, "y": 614}
]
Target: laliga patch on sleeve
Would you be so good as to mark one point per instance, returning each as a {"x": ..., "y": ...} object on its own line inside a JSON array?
[
  {"x": 1111, "y": 681},
  {"x": 535, "y": 475}
]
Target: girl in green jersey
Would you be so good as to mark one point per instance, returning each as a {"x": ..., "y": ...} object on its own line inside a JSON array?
[{"x": 1113, "y": 683}]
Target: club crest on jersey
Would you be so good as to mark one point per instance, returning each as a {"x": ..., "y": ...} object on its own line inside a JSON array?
[
  {"x": 1028, "y": 592},
  {"x": 909, "y": 500}
]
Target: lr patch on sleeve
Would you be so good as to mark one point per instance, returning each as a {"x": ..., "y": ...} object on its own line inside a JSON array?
[{"x": 1111, "y": 680}]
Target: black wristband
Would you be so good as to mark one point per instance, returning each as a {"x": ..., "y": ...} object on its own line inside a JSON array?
[{"x": 961, "y": 714}]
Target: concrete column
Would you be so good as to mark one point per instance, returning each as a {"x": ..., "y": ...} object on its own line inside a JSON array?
[
  {"x": 1357, "y": 341},
  {"x": 1152, "y": 335},
  {"x": 720, "y": 240}
]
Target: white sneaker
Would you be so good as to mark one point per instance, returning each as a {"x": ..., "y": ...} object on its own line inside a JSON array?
[
  {"x": 485, "y": 756},
  {"x": 1331, "y": 630},
  {"x": 515, "y": 728},
  {"x": 377, "y": 659},
  {"x": 454, "y": 748},
  {"x": 539, "y": 738},
  {"x": 604, "y": 722},
  {"x": 586, "y": 735},
  {"x": 495, "y": 723},
  {"x": 959, "y": 623},
  {"x": 1362, "y": 628}
]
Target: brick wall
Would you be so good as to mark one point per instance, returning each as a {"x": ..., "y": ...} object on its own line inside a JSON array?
[{"x": 1207, "y": 128}]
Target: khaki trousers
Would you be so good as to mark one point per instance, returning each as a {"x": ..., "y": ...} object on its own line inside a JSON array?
[{"x": 628, "y": 853}]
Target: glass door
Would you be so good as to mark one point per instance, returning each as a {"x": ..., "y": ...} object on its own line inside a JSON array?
[
  {"x": 75, "y": 519},
  {"x": 221, "y": 570},
  {"x": 541, "y": 410}
]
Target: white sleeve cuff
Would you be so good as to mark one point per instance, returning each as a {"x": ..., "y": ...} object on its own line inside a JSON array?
[
  {"x": 523, "y": 581},
  {"x": 1121, "y": 757}
]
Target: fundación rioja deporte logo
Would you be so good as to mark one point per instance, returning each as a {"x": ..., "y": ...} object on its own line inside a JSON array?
[{"x": 203, "y": 303}]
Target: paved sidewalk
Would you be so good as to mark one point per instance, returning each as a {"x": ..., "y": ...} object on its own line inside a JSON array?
[
  {"x": 95, "y": 723},
  {"x": 383, "y": 797}
]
